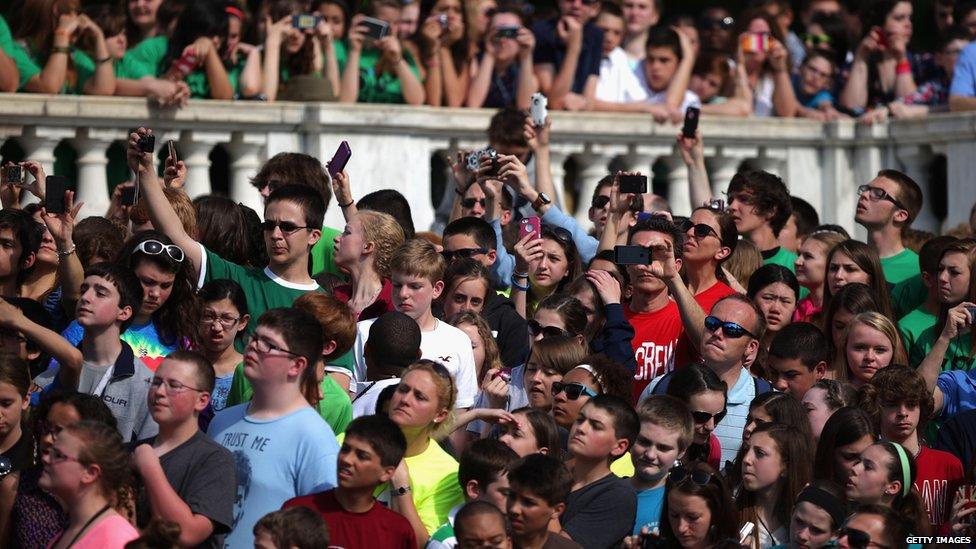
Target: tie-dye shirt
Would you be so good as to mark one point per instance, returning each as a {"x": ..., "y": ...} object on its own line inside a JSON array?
[{"x": 143, "y": 338}]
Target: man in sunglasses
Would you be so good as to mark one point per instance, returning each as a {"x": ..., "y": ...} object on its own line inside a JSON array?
[
  {"x": 886, "y": 207},
  {"x": 873, "y": 527}
]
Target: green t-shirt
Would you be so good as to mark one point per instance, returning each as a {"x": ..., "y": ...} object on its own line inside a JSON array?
[
  {"x": 956, "y": 357},
  {"x": 913, "y": 324},
  {"x": 335, "y": 407},
  {"x": 786, "y": 258},
  {"x": 146, "y": 59},
  {"x": 908, "y": 295},
  {"x": 324, "y": 251},
  {"x": 443, "y": 537},
  {"x": 900, "y": 266},
  {"x": 31, "y": 63},
  {"x": 375, "y": 87},
  {"x": 6, "y": 39}
]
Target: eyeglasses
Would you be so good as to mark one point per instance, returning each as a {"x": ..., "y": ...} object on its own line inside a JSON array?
[
  {"x": 287, "y": 227},
  {"x": 816, "y": 72},
  {"x": 709, "y": 23},
  {"x": 703, "y": 417},
  {"x": 224, "y": 320},
  {"x": 547, "y": 331},
  {"x": 857, "y": 539},
  {"x": 57, "y": 456},
  {"x": 560, "y": 234},
  {"x": 681, "y": 474},
  {"x": 155, "y": 247},
  {"x": 877, "y": 193},
  {"x": 600, "y": 202},
  {"x": 730, "y": 329},
  {"x": 264, "y": 346},
  {"x": 172, "y": 385},
  {"x": 463, "y": 253},
  {"x": 817, "y": 39},
  {"x": 573, "y": 390},
  {"x": 470, "y": 202},
  {"x": 703, "y": 230}
]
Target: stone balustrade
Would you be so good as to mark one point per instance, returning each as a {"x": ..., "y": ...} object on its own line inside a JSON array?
[{"x": 393, "y": 147}]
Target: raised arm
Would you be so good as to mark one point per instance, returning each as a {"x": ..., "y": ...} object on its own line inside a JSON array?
[
  {"x": 161, "y": 212},
  {"x": 693, "y": 155},
  {"x": 350, "y": 76},
  {"x": 48, "y": 341},
  {"x": 52, "y": 76},
  {"x": 412, "y": 88},
  {"x": 527, "y": 81},
  {"x": 213, "y": 67},
  {"x": 854, "y": 96},
  {"x": 682, "y": 76},
  {"x": 103, "y": 82},
  {"x": 271, "y": 67},
  {"x": 958, "y": 321},
  {"x": 784, "y": 98},
  {"x": 165, "y": 502},
  {"x": 61, "y": 225},
  {"x": 570, "y": 31},
  {"x": 666, "y": 267}
]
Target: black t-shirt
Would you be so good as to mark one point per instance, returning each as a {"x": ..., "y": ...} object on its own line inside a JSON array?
[
  {"x": 21, "y": 454},
  {"x": 601, "y": 513},
  {"x": 549, "y": 49}
]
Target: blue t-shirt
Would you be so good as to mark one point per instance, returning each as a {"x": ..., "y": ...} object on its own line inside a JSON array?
[
  {"x": 964, "y": 75},
  {"x": 277, "y": 459},
  {"x": 218, "y": 398},
  {"x": 649, "y": 506}
]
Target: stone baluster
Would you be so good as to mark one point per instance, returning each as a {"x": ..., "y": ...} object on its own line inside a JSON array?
[
  {"x": 723, "y": 164},
  {"x": 557, "y": 166},
  {"x": 594, "y": 164},
  {"x": 39, "y": 143},
  {"x": 915, "y": 161},
  {"x": 245, "y": 149},
  {"x": 194, "y": 150},
  {"x": 91, "y": 146},
  {"x": 679, "y": 192}
]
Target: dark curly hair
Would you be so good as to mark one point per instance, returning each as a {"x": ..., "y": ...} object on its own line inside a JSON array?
[
  {"x": 898, "y": 384},
  {"x": 768, "y": 194}
]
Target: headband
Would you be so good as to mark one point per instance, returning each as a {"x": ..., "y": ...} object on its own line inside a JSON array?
[
  {"x": 231, "y": 10},
  {"x": 906, "y": 471},
  {"x": 593, "y": 373},
  {"x": 826, "y": 501}
]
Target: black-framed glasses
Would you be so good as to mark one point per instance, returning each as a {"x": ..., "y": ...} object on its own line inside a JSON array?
[
  {"x": 462, "y": 253},
  {"x": 730, "y": 329},
  {"x": 681, "y": 474},
  {"x": 287, "y": 227},
  {"x": 703, "y": 230},
  {"x": 226, "y": 321},
  {"x": 599, "y": 202},
  {"x": 535, "y": 328},
  {"x": 264, "y": 346},
  {"x": 703, "y": 417},
  {"x": 155, "y": 247},
  {"x": 877, "y": 193},
  {"x": 470, "y": 202},
  {"x": 172, "y": 386},
  {"x": 716, "y": 23},
  {"x": 573, "y": 390},
  {"x": 857, "y": 539}
]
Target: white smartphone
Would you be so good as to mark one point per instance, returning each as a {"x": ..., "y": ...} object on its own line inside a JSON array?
[
  {"x": 538, "y": 110},
  {"x": 746, "y": 531}
]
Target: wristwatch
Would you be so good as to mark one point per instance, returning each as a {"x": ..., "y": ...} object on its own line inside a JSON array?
[
  {"x": 401, "y": 491},
  {"x": 540, "y": 201}
]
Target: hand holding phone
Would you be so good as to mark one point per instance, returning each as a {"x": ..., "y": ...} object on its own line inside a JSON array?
[
  {"x": 631, "y": 255},
  {"x": 55, "y": 185},
  {"x": 339, "y": 159},
  {"x": 632, "y": 184},
  {"x": 147, "y": 143},
  {"x": 129, "y": 196},
  {"x": 690, "y": 126},
  {"x": 14, "y": 175},
  {"x": 171, "y": 145},
  {"x": 530, "y": 225}
]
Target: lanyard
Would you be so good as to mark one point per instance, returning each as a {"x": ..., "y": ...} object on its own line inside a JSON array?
[{"x": 103, "y": 383}]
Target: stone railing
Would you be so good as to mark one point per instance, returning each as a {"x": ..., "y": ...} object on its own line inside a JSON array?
[{"x": 393, "y": 147}]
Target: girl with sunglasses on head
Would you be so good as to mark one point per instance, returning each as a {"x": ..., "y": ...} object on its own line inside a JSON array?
[
  {"x": 854, "y": 261},
  {"x": 774, "y": 289},
  {"x": 223, "y": 317},
  {"x": 885, "y": 475},
  {"x": 871, "y": 342},
  {"x": 363, "y": 252},
  {"x": 811, "y": 272},
  {"x": 845, "y": 435},
  {"x": 818, "y": 511},
  {"x": 775, "y": 467},
  {"x": 698, "y": 510},
  {"x": 547, "y": 264},
  {"x": 532, "y": 431}
]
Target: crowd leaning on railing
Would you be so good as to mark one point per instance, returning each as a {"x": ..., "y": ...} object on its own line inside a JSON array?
[{"x": 189, "y": 373}]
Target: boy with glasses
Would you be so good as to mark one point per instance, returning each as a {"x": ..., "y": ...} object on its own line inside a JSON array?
[
  {"x": 187, "y": 478},
  {"x": 282, "y": 447},
  {"x": 886, "y": 207}
]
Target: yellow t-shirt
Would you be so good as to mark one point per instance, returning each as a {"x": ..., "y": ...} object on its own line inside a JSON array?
[{"x": 623, "y": 467}]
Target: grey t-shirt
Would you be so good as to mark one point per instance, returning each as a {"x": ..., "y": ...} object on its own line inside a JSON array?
[
  {"x": 203, "y": 474},
  {"x": 125, "y": 395},
  {"x": 601, "y": 513}
]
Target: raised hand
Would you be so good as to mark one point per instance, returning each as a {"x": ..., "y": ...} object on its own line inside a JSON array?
[
  {"x": 342, "y": 188},
  {"x": 174, "y": 175},
  {"x": 527, "y": 251},
  {"x": 62, "y": 225},
  {"x": 139, "y": 162},
  {"x": 606, "y": 285},
  {"x": 691, "y": 148}
]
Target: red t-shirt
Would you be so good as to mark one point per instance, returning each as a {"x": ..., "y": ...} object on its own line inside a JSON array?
[
  {"x": 378, "y": 527},
  {"x": 707, "y": 299},
  {"x": 658, "y": 344},
  {"x": 938, "y": 478},
  {"x": 382, "y": 304}
]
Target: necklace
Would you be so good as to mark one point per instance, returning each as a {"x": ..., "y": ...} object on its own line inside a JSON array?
[{"x": 83, "y": 528}]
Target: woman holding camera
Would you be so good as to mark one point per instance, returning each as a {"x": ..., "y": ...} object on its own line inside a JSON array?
[
  {"x": 503, "y": 72},
  {"x": 298, "y": 45},
  {"x": 442, "y": 44},
  {"x": 767, "y": 64}
]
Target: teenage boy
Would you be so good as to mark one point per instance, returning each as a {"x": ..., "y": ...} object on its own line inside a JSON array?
[
  {"x": 481, "y": 524},
  {"x": 282, "y": 447},
  {"x": 393, "y": 344},
  {"x": 372, "y": 448},
  {"x": 924, "y": 316},
  {"x": 475, "y": 238},
  {"x": 292, "y": 225},
  {"x": 760, "y": 207},
  {"x": 187, "y": 477},
  {"x": 567, "y": 53},
  {"x": 538, "y": 487},
  {"x": 886, "y": 207},
  {"x": 110, "y": 295},
  {"x": 20, "y": 237},
  {"x": 618, "y": 83},
  {"x": 801, "y": 223},
  {"x": 483, "y": 475},
  {"x": 639, "y": 17},
  {"x": 601, "y": 508},
  {"x": 797, "y": 358},
  {"x": 417, "y": 273},
  {"x": 666, "y": 431}
]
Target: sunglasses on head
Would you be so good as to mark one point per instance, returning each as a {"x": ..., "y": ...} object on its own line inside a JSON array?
[
  {"x": 703, "y": 417},
  {"x": 573, "y": 390},
  {"x": 560, "y": 234},
  {"x": 286, "y": 227},
  {"x": 730, "y": 329},
  {"x": 547, "y": 331},
  {"x": 680, "y": 474},
  {"x": 470, "y": 202},
  {"x": 600, "y": 202},
  {"x": 463, "y": 253},
  {"x": 155, "y": 247}
]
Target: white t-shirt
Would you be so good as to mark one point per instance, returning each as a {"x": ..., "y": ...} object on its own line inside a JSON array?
[
  {"x": 367, "y": 393},
  {"x": 618, "y": 83},
  {"x": 691, "y": 99},
  {"x": 445, "y": 344}
]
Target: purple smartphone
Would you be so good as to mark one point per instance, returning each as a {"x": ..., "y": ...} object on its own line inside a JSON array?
[{"x": 339, "y": 159}]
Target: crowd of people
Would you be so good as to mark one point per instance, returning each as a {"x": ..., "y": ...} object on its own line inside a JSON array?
[{"x": 820, "y": 59}]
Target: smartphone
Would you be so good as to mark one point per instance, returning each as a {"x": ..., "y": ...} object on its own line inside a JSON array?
[
  {"x": 972, "y": 314},
  {"x": 745, "y": 532},
  {"x": 754, "y": 42},
  {"x": 129, "y": 196},
  {"x": 504, "y": 373},
  {"x": 530, "y": 225},
  {"x": 185, "y": 65},
  {"x": 56, "y": 185},
  {"x": 633, "y": 184},
  {"x": 376, "y": 29},
  {"x": 147, "y": 143},
  {"x": 339, "y": 159},
  {"x": 539, "y": 110},
  {"x": 442, "y": 18},
  {"x": 14, "y": 175},
  {"x": 717, "y": 204},
  {"x": 507, "y": 31},
  {"x": 691, "y": 122},
  {"x": 631, "y": 255},
  {"x": 305, "y": 21},
  {"x": 171, "y": 145}
]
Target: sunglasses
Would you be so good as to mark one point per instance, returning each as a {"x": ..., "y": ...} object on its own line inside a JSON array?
[
  {"x": 682, "y": 474},
  {"x": 560, "y": 234},
  {"x": 287, "y": 227},
  {"x": 547, "y": 331},
  {"x": 463, "y": 253},
  {"x": 600, "y": 202},
  {"x": 725, "y": 23},
  {"x": 857, "y": 539},
  {"x": 702, "y": 230},
  {"x": 730, "y": 329},
  {"x": 470, "y": 202},
  {"x": 155, "y": 247},
  {"x": 703, "y": 417},
  {"x": 573, "y": 390},
  {"x": 817, "y": 39},
  {"x": 877, "y": 193}
]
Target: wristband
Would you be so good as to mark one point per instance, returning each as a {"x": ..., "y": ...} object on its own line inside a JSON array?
[
  {"x": 903, "y": 67},
  {"x": 401, "y": 491},
  {"x": 346, "y": 205},
  {"x": 69, "y": 252},
  {"x": 61, "y": 49},
  {"x": 517, "y": 286},
  {"x": 517, "y": 274},
  {"x": 105, "y": 59}
]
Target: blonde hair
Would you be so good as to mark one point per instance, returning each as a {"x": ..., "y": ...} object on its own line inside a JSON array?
[
  {"x": 385, "y": 233},
  {"x": 743, "y": 261},
  {"x": 446, "y": 392},
  {"x": 880, "y": 323},
  {"x": 493, "y": 358},
  {"x": 182, "y": 205},
  {"x": 418, "y": 257}
]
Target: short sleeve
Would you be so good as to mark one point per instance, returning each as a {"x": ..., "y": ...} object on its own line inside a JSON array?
[
  {"x": 212, "y": 487},
  {"x": 958, "y": 392},
  {"x": 26, "y": 65},
  {"x": 143, "y": 59},
  {"x": 964, "y": 75},
  {"x": 240, "y": 388}
]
